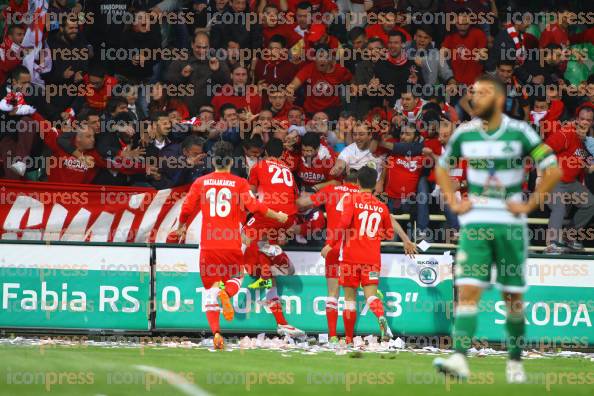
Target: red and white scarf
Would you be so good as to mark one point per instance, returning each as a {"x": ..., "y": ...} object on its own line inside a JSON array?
[
  {"x": 518, "y": 39},
  {"x": 400, "y": 60}
]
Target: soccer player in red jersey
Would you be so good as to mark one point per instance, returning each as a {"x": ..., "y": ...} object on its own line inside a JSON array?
[
  {"x": 273, "y": 181},
  {"x": 330, "y": 196},
  {"x": 223, "y": 199},
  {"x": 364, "y": 222}
]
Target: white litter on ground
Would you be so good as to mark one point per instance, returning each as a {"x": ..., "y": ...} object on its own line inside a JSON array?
[{"x": 285, "y": 345}]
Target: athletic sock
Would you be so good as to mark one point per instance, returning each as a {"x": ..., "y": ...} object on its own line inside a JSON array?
[
  {"x": 515, "y": 334},
  {"x": 331, "y": 315},
  {"x": 464, "y": 328},
  {"x": 232, "y": 286},
  {"x": 275, "y": 306},
  {"x": 212, "y": 309},
  {"x": 213, "y": 315},
  {"x": 277, "y": 311},
  {"x": 376, "y": 306},
  {"x": 349, "y": 317}
]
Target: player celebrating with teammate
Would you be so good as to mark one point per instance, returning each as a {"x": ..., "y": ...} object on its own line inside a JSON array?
[
  {"x": 273, "y": 181},
  {"x": 364, "y": 222},
  {"x": 223, "y": 199},
  {"x": 493, "y": 217},
  {"x": 330, "y": 196}
]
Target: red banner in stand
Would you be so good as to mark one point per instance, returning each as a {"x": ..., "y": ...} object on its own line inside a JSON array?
[{"x": 82, "y": 212}]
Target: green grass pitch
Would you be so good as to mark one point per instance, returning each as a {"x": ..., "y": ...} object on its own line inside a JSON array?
[{"x": 87, "y": 370}]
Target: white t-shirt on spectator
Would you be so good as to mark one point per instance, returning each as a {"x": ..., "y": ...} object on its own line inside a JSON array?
[{"x": 356, "y": 158}]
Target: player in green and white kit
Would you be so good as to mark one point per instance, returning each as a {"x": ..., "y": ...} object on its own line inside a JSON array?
[{"x": 493, "y": 218}]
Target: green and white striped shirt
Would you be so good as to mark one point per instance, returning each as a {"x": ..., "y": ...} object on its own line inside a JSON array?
[{"x": 495, "y": 166}]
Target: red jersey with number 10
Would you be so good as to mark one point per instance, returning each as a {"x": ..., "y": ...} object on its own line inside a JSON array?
[
  {"x": 366, "y": 221},
  {"x": 223, "y": 199},
  {"x": 275, "y": 185}
]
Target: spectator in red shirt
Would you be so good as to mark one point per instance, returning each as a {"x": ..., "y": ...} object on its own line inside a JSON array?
[
  {"x": 401, "y": 173},
  {"x": 66, "y": 168},
  {"x": 303, "y": 17},
  {"x": 568, "y": 145},
  {"x": 238, "y": 93},
  {"x": 279, "y": 105},
  {"x": 275, "y": 69},
  {"x": 312, "y": 168},
  {"x": 556, "y": 33},
  {"x": 317, "y": 6},
  {"x": 545, "y": 114},
  {"x": 318, "y": 35},
  {"x": 387, "y": 23},
  {"x": 99, "y": 88},
  {"x": 11, "y": 52},
  {"x": 324, "y": 80},
  {"x": 466, "y": 49},
  {"x": 272, "y": 26}
]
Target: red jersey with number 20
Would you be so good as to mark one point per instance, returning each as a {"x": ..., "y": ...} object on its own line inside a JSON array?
[
  {"x": 223, "y": 199},
  {"x": 275, "y": 185},
  {"x": 366, "y": 221}
]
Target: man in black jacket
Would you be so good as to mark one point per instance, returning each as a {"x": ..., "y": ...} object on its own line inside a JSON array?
[
  {"x": 181, "y": 163},
  {"x": 70, "y": 55}
]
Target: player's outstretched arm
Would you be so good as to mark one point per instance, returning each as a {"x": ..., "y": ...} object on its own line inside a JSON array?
[
  {"x": 410, "y": 248},
  {"x": 278, "y": 216}
]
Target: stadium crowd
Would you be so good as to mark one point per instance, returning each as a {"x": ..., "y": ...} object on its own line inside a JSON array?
[{"x": 137, "y": 92}]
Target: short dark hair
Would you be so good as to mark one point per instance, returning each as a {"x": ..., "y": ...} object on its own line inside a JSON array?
[
  {"x": 375, "y": 40},
  {"x": 11, "y": 28},
  {"x": 17, "y": 71},
  {"x": 87, "y": 112},
  {"x": 222, "y": 154},
  {"x": 356, "y": 32},
  {"x": 367, "y": 177},
  {"x": 277, "y": 38},
  {"x": 506, "y": 62},
  {"x": 428, "y": 29},
  {"x": 192, "y": 140},
  {"x": 155, "y": 115},
  {"x": 494, "y": 81},
  {"x": 253, "y": 142},
  {"x": 114, "y": 102},
  {"x": 397, "y": 33},
  {"x": 304, "y": 5},
  {"x": 311, "y": 139},
  {"x": 351, "y": 177},
  {"x": 97, "y": 70},
  {"x": 274, "y": 148},
  {"x": 226, "y": 107}
]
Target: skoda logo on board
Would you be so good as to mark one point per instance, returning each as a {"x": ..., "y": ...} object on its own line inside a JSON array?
[{"x": 427, "y": 275}]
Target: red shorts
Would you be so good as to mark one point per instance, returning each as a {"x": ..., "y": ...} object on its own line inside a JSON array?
[
  {"x": 260, "y": 225},
  {"x": 355, "y": 275},
  {"x": 332, "y": 264},
  {"x": 220, "y": 265},
  {"x": 261, "y": 267}
]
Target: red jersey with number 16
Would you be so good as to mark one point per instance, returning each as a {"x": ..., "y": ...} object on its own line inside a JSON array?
[
  {"x": 275, "y": 185},
  {"x": 366, "y": 221},
  {"x": 223, "y": 199}
]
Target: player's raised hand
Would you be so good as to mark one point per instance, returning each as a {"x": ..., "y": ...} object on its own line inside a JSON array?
[
  {"x": 282, "y": 217},
  {"x": 410, "y": 249},
  {"x": 325, "y": 250},
  {"x": 181, "y": 233}
]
